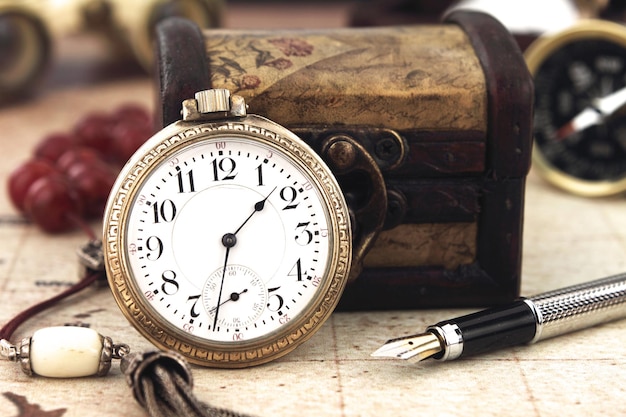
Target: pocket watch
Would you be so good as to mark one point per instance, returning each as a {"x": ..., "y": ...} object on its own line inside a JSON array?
[
  {"x": 226, "y": 237},
  {"x": 580, "y": 112}
]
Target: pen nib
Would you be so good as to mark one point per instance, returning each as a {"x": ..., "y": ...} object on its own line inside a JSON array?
[{"x": 416, "y": 347}]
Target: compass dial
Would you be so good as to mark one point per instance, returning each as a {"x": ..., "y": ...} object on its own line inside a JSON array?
[{"x": 580, "y": 112}]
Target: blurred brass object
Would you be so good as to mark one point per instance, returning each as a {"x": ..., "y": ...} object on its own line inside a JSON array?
[
  {"x": 590, "y": 9},
  {"x": 27, "y": 28},
  {"x": 25, "y": 47},
  {"x": 136, "y": 19},
  {"x": 347, "y": 157}
]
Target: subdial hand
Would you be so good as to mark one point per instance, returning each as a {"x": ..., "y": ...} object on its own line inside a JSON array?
[
  {"x": 233, "y": 297},
  {"x": 600, "y": 109}
]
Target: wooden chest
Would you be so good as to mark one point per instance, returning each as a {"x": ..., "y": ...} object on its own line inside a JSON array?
[{"x": 442, "y": 115}]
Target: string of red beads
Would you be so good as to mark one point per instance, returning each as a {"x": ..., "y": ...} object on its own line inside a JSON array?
[{"x": 70, "y": 175}]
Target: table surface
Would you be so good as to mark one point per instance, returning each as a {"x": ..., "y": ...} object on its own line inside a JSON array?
[{"x": 567, "y": 240}]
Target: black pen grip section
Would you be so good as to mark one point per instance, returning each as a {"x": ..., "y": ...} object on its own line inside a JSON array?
[{"x": 496, "y": 328}]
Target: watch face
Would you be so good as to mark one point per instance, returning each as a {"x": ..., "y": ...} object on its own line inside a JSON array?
[
  {"x": 231, "y": 245},
  {"x": 580, "y": 120}
]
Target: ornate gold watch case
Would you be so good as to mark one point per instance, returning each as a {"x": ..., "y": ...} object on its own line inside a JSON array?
[{"x": 226, "y": 238}]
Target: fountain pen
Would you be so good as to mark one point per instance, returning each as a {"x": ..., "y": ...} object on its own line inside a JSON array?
[{"x": 527, "y": 320}]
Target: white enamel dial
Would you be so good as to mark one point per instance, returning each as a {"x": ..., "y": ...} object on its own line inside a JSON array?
[
  {"x": 230, "y": 246},
  {"x": 204, "y": 193}
]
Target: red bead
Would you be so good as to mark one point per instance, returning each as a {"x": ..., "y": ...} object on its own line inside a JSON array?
[
  {"x": 94, "y": 131},
  {"x": 55, "y": 201},
  {"x": 135, "y": 112},
  {"x": 54, "y": 145},
  {"x": 24, "y": 176},
  {"x": 93, "y": 181},
  {"x": 52, "y": 204},
  {"x": 71, "y": 156},
  {"x": 128, "y": 137}
]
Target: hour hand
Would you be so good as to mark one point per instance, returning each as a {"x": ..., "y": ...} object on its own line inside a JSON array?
[{"x": 258, "y": 206}]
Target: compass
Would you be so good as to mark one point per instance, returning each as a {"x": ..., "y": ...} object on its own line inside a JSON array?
[{"x": 580, "y": 112}]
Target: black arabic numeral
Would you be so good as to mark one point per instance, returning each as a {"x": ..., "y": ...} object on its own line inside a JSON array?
[
  {"x": 193, "y": 313},
  {"x": 288, "y": 195},
  {"x": 260, "y": 174},
  {"x": 185, "y": 182},
  {"x": 279, "y": 299},
  {"x": 308, "y": 235},
  {"x": 166, "y": 211},
  {"x": 155, "y": 246},
  {"x": 296, "y": 270},
  {"x": 170, "y": 285},
  {"x": 226, "y": 167}
]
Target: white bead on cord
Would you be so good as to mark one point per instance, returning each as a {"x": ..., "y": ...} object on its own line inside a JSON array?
[{"x": 64, "y": 352}]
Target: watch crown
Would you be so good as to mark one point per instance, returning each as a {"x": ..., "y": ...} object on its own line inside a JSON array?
[
  {"x": 212, "y": 101},
  {"x": 213, "y": 104}
]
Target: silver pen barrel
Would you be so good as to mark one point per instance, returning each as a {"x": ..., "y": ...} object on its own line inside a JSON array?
[{"x": 579, "y": 306}]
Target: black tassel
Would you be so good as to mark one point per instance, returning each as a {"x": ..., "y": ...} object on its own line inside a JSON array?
[{"x": 162, "y": 384}]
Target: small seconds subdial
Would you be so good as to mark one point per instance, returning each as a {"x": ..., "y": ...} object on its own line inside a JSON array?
[{"x": 244, "y": 297}]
